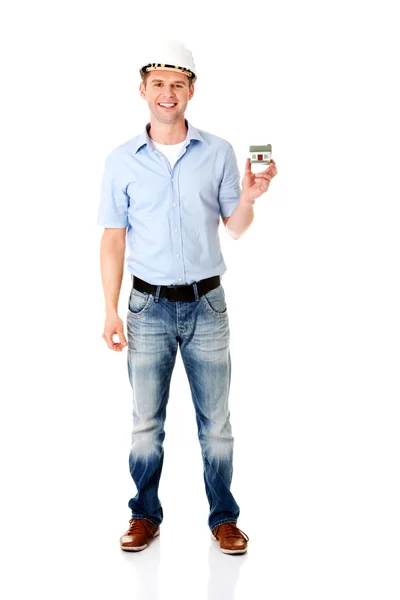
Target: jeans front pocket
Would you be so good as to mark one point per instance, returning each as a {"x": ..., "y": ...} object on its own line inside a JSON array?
[
  {"x": 214, "y": 302},
  {"x": 139, "y": 303}
]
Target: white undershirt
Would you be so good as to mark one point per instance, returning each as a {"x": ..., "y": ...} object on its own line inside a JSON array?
[{"x": 170, "y": 151}]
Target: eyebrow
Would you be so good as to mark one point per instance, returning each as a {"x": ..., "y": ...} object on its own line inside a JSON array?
[{"x": 162, "y": 81}]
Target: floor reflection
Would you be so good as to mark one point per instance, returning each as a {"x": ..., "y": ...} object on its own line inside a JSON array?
[
  {"x": 145, "y": 571},
  {"x": 223, "y": 572}
]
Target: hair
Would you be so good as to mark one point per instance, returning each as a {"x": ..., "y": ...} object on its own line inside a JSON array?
[{"x": 145, "y": 77}]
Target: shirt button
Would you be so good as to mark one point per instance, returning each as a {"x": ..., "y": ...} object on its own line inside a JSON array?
[
  {"x": 172, "y": 179},
  {"x": 180, "y": 279},
  {"x": 175, "y": 229},
  {"x": 174, "y": 204},
  {"x": 177, "y": 256}
]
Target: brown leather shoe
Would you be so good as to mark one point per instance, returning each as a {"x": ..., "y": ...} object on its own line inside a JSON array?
[
  {"x": 232, "y": 540},
  {"x": 139, "y": 533}
]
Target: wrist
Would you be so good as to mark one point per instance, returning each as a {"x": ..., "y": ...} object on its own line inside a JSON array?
[
  {"x": 246, "y": 201},
  {"x": 111, "y": 311}
]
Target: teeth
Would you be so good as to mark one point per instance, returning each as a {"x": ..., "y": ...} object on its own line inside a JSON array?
[{"x": 168, "y": 105}]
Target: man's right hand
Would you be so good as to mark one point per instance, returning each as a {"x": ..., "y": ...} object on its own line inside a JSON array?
[{"x": 114, "y": 325}]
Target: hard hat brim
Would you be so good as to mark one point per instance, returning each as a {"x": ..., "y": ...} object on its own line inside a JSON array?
[{"x": 165, "y": 67}]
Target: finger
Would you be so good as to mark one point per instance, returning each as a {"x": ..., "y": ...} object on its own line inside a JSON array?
[
  {"x": 270, "y": 169},
  {"x": 262, "y": 184},
  {"x": 120, "y": 345},
  {"x": 122, "y": 338},
  {"x": 263, "y": 176},
  {"x": 116, "y": 346},
  {"x": 108, "y": 336},
  {"x": 108, "y": 339},
  {"x": 270, "y": 172},
  {"x": 247, "y": 168}
]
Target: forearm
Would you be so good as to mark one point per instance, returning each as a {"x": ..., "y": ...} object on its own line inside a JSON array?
[
  {"x": 241, "y": 218},
  {"x": 112, "y": 256}
]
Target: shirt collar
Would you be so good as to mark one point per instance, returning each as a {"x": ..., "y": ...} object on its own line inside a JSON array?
[{"x": 192, "y": 134}]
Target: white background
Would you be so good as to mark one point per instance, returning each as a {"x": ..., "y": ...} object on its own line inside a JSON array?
[{"x": 312, "y": 290}]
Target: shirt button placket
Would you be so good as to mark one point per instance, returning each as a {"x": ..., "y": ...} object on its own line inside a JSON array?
[{"x": 176, "y": 230}]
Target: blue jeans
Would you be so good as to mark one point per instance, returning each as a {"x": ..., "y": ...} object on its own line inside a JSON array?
[{"x": 156, "y": 327}]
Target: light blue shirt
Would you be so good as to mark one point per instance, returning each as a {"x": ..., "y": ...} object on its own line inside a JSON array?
[{"x": 172, "y": 215}]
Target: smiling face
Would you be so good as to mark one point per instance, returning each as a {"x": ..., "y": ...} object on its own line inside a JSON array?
[{"x": 167, "y": 87}]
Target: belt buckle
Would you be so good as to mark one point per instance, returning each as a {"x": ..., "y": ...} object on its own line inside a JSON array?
[
  {"x": 173, "y": 297},
  {"x": 174, "y": 286}
]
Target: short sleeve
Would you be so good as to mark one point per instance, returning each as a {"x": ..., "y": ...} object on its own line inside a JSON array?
[
  {"x": 114, "y": 201},
  {"x": 229, "y": 188}
]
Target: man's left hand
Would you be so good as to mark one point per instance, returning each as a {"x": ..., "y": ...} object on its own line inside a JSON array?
[{"x": 256, "y": 184}]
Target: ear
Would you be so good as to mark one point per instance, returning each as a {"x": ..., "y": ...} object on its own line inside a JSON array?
[{"x": 142, "y": 89}]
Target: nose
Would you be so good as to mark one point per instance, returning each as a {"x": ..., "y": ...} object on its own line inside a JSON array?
[{"x": 169, "y": 90}]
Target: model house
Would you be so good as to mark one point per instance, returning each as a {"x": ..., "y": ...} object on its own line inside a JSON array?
[{"x": 261, "y": 154}]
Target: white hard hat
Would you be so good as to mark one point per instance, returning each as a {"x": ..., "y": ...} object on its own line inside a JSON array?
[{"x": 169, "y": 55}]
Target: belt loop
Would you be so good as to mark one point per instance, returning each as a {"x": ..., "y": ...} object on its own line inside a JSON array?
[
  {"x": 196, "y": 293},
  {"x": 157, "y": 293}
]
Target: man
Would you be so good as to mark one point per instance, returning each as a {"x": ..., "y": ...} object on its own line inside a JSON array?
[{"x": 168, "y": 187}]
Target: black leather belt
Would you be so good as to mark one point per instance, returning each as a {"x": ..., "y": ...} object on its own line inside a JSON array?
[{"x": 178, "y": 292}]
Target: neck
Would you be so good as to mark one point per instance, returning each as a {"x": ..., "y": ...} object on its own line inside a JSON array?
[{"x": 168, "y": 133}]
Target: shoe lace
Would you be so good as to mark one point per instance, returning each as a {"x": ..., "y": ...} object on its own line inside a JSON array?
[
  {"x": 230, "y": 530},
  {"x": 138, "y": 525}
]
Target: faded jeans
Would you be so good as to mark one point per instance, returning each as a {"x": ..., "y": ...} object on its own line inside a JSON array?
[{"x": 156, "y": 327}]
